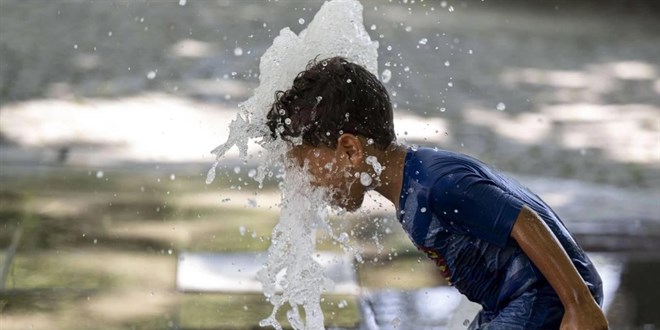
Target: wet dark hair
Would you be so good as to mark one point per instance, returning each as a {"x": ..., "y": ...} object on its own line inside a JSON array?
[{"x": 332, "y": 97}]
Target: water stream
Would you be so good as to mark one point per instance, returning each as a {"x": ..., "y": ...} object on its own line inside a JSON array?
[{"x": 336, "y": 30}]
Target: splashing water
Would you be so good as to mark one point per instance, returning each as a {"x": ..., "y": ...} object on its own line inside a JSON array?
[
  {"x": 373, "y": 161},
  {"x": 304, "y": 281},
  {"x": 336, "y": 30}
]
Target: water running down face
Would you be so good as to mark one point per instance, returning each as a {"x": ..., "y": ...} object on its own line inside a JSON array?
[
  {"x": 337, "y": 117},
  {"x": 340, "y": 170}
]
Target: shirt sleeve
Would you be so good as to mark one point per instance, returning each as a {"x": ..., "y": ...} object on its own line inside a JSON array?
[{"x": 477, "y": 204}]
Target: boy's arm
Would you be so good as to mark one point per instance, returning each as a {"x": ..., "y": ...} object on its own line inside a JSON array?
[{"x": 547, "y": 254}]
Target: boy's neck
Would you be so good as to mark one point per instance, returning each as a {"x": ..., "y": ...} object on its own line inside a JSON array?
[{"x": 391, "y": 178}]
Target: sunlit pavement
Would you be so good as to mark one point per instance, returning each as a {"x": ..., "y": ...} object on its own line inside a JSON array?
[
  {"x": 522, "y": 87},
  {"x": 619, "y": 143}
]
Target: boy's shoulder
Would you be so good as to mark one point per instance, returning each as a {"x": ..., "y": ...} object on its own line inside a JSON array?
[
  {"x": 426, "y": 156},
  {"x": 432, "y": 169},
  {"x": 426, "y": 165}
]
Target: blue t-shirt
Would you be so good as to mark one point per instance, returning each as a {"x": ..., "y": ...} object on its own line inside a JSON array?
[{"x": 460, "y": 213}]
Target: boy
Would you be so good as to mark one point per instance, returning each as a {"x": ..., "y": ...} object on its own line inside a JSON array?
[{"x": 496, "y": 242}]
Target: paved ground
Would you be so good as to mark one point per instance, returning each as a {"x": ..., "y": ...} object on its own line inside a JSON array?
[{"x": 579, "y": 96}]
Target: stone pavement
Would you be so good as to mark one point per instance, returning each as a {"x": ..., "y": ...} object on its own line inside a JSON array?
[{"x": 531, "y": 88}]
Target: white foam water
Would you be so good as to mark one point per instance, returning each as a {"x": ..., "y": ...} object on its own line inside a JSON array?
[
  {"x": 290, "y": 255},
  {"x": 336, "y": 30}
]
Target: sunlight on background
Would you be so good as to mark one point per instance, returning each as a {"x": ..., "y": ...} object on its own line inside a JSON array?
[{"x": 109, "y": 111}]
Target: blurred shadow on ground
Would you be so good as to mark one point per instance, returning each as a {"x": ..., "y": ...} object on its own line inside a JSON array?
[
  {"x": 580, "y": 98},
  {"x": 579, "y": 95}
]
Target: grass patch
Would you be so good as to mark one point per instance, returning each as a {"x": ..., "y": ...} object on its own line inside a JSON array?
[
  {"x": 147, "y": 180},
  {"x": 41, "y": 300},
  {"x": 89, "y": 237},
  {"x": 51, "y": 270},
  {"x": 244, "y": 311},
  {"x": 235, "y": 230}
]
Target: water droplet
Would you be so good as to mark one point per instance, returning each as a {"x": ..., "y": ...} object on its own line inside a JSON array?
[
  {"x": 238, "y": 51},
  {"x": 301, "y": 21},
  {"x": 151, "y": 75},
  {"x": 365, "y": 179},
  {"x": 386, "y": 76},
  {"x": 423, "y": 210},
  {"x": 408, "y": 29},
  {"x": 99, "y": 174},
  {"x": 343, "y": 238},
  {"x": 348, "y": 81},
  {"x": 501, "y": 106},
  {"x": 237, "y": 169},
  {"x": 373, "y": 27},
  {"x": 423, "y": 41},
  {"x": 287, "y": 121},
  {"x": 447, "y": 63},
  {"x": 373, "y": 161},
  {"x": 172, "y": 177},
  {"x": 210, "y": 176},
  {"x": 182, "y": 2}
]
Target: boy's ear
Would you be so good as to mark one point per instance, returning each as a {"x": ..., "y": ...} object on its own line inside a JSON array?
[{"x": 350, "y": 145}]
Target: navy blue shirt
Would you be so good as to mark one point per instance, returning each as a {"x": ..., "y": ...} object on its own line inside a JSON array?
[{"x": 460, "y": 213}]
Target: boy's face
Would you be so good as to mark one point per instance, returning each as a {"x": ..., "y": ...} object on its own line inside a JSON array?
[{"x": 334, "y": 169}]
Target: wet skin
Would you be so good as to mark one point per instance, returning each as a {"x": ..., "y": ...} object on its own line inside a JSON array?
[
  {"x": 334, "y": 169},
  {"x": 338, "y": 169}
]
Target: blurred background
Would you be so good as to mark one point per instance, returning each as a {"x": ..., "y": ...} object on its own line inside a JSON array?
[{"x": 109, "y": 109}]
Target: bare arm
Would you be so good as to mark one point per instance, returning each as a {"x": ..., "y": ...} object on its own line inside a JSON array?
[{"x": 547, "y": 254}]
